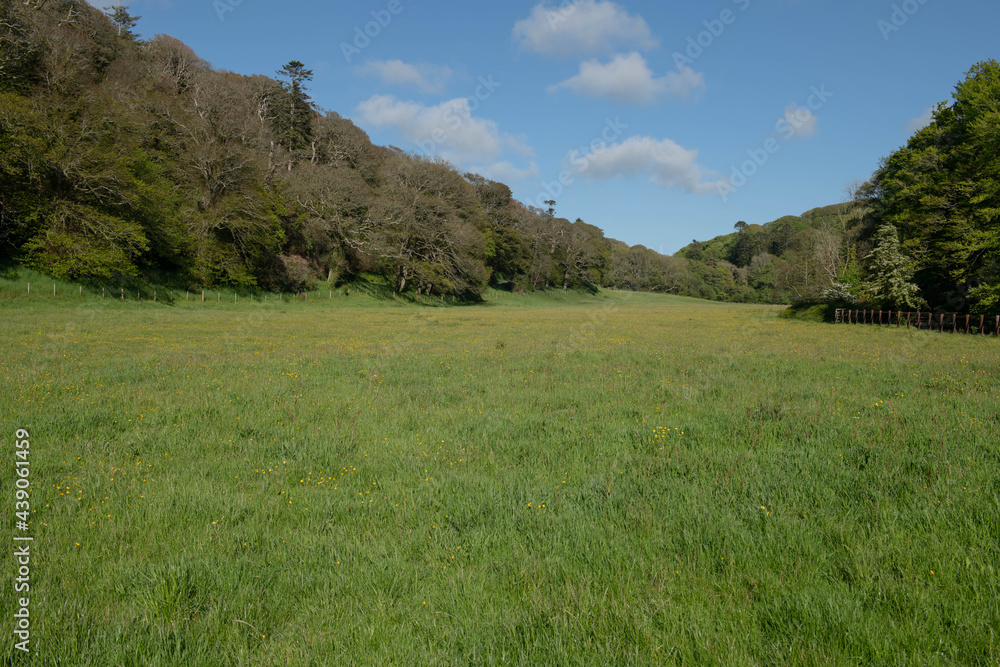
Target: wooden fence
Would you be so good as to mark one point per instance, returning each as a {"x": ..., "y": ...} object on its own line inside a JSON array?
[{"x": 943, "y": 322}]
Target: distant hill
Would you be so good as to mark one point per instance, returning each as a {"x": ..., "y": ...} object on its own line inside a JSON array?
[{"x": 776, "y": 262}]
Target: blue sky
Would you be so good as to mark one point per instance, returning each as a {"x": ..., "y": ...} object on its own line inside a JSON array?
[{"x": 660, "y": 122}]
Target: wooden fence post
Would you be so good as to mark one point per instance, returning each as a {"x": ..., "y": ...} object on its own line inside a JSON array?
[
  {"x": 967, "y": 324},
  {"x": 982, "y": 325},
  {"x": 123, "y": 294}
]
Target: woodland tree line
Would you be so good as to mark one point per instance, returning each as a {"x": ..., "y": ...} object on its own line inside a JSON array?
[{"x": 124, "y": 157}]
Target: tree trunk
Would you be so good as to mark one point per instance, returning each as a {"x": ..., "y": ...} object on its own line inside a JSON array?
[
  {"x": 400, "y": 279},
  {"x": 270, "y": 164}
]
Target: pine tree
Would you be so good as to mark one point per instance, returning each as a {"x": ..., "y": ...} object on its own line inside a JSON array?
[
  {"x": 293, "y": 122},
  {"x": 890, "y": 272},
  {"x": 123, "y": 21}
]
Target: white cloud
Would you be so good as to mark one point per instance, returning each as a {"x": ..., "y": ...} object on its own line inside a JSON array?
[
  {"x": 627, "y": 79},
  {"x": 428, "y": 78},
  {"x": 798, "y": 122},
  {"x": 920, "y": 122},
  {"x": 582, "y": 28},
  {"x": 683, "y": 84},
  {"x": 519, "y": 144},
  {"x": 133, "y": 4},
  {"x": 449, "y": 130},
  {"x": 668, "y": 164},
  {"x": 506, "y": 172}
]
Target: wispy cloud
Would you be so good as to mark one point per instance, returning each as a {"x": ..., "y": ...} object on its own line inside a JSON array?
[
  {"x": 798, "y": 122},
  {"x": 452, "y": 131},
  {"x": 629, "y": 80},
  {"x": 581, "y": 29},
  {"x": 668, "y": 164},
  {"x": 133, "y": 4},
  {"x": 506, "y": 172},
  {"x": 426, "y": 77}
]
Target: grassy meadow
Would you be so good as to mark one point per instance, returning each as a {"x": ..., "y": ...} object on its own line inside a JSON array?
[{"x": 546, "y": 480}]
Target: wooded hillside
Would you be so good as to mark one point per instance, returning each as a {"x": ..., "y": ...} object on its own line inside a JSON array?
[
  {"x": 122, "y": 157},
  {"x": 924, "y": 231}
]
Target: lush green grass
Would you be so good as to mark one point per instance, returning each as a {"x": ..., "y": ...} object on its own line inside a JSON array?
[{"x": 555, "y": 479}]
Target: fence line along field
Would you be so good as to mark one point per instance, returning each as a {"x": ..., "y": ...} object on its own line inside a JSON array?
[
  {"x": 941, "y": 322},
  {"x": 538, "y": 480}
]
